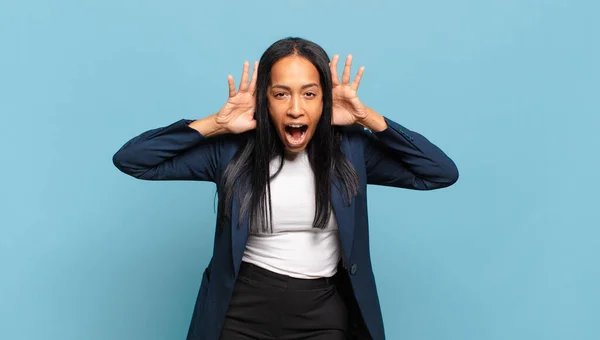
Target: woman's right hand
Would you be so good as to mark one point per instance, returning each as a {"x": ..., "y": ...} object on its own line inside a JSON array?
[{"x": 237, "y": 115}]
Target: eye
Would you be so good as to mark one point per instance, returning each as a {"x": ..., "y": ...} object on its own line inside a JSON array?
[
  {"x": 278, "y": 94},
  {"x": 310, "y": 94}
]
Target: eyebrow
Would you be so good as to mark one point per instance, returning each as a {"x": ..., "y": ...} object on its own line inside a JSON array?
[{"x": 289, "y": 89}]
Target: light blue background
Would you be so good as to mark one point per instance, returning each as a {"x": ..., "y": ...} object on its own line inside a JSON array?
[{"x": 509, "y": 89}]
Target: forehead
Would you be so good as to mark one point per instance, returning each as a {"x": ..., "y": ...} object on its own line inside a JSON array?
[{"x": 294, "y": 69}]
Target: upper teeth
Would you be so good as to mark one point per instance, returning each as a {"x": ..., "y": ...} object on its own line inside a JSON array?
[{"x": 295, "y": 126}]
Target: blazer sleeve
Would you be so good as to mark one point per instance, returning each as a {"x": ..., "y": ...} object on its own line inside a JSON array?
[
  {"x": 402, "y": 158},
  {"x": 174, "y": 152}
]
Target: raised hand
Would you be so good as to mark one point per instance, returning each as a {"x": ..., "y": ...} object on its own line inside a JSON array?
[
  {"x": 237, "y": 115},
  {"x": 347, "y": 108}
]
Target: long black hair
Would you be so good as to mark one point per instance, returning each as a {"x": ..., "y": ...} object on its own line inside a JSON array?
[{"x": 249, "y": 170}]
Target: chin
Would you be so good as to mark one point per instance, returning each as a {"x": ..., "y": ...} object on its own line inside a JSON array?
[{"x": 295, "y": 149}]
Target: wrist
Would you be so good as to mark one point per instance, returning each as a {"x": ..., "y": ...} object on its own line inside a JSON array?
[
  {"x": 373, "y": 121},
  {"x": 208, "y": 126}
]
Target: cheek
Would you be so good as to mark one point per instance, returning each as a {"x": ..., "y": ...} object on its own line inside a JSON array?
[
  {"x": 316, "y": 112},
  {"x": 276, "y": 114}
]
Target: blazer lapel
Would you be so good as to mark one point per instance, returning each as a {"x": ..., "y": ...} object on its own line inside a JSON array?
[
  {"x": 344, "y": 213},
  {"x": 239, "y": 235}
]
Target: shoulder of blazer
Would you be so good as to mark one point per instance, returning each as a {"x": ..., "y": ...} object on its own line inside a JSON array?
[
  {"x": 227, "y": 146},
  {"x": 356, "y": 136}
]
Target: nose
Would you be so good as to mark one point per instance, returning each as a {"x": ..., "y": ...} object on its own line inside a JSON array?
[{"x": 295, "y": 110}]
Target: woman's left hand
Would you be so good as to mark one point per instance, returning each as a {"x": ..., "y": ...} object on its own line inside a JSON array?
[{"x": 347, "y": 108}]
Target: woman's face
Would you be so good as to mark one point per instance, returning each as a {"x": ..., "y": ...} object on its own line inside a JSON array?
[{"x": 295, "y": 101}]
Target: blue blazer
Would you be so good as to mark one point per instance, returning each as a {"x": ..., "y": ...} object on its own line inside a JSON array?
[{"x": 395, "y": 157}]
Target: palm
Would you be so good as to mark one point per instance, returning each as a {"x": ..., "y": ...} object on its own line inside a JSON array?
[
  {"x": 347, "y": 108},
  {"x": 345, "y": 105},
  {"x": 237, "y": 115}
]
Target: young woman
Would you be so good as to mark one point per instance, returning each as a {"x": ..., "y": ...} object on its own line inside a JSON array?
[{"x": 291, "y": 153}]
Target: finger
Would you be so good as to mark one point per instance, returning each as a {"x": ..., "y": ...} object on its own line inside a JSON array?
[
  {"x": 333, "y": 66},
  {"x": 359, "y": 75},
  {"x": 252, "y": 87},
  {"x": 244, "y": 81},
  {"x": 231, "y": 85},
  {"x": 347, "y": 66}
]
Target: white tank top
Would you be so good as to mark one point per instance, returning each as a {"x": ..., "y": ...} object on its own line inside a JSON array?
[{"x": 295, "y": 248}]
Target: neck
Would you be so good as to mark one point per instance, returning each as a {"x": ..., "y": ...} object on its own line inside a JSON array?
[{"x": 290, "y": 155}]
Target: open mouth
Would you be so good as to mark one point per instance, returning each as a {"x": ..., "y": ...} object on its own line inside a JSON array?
[{"x": 295, "y": 133}]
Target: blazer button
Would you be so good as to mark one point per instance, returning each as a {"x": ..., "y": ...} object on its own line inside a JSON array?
[{"x": 353, "y": 269}]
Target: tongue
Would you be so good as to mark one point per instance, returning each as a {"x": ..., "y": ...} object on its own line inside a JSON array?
[{"x": 296, "y": 132}]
